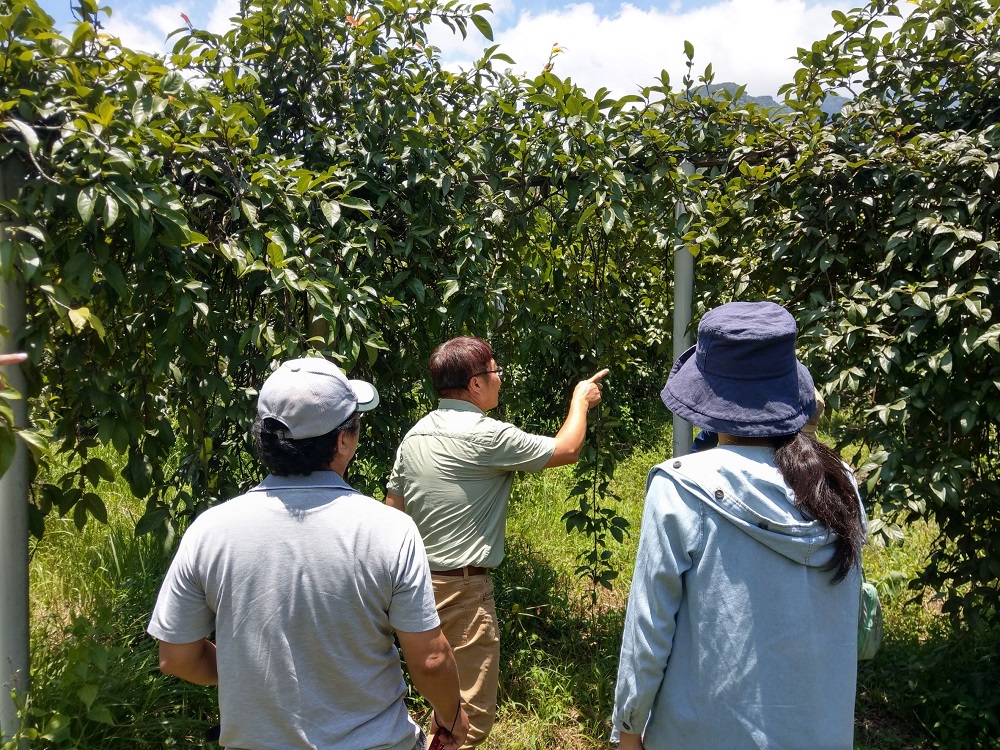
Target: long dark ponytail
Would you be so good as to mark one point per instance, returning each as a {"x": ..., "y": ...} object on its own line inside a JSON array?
[{"x": 824, "y": 491}]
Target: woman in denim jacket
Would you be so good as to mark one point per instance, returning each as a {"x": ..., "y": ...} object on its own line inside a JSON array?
[{"x": 741, "y": 628}]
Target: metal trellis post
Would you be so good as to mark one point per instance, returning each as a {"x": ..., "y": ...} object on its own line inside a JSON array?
[
  {"x": 14, "y": 657},
  {"x": 683, "y": 314}
]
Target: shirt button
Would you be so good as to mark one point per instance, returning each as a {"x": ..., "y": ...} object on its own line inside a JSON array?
[{"x": 719, "y": 494}]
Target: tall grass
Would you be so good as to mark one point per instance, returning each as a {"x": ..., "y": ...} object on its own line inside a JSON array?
[{"x": 96, "y": 682}]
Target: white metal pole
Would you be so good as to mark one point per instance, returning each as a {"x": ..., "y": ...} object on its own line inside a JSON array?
[
  {"x": 14, "y": 657},
  {"x": 683, "y": 314}
]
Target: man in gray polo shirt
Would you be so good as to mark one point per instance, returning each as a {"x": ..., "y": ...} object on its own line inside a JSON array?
[
  {"x": 453, "y": 475},
  {"x": 303, "y": 580}
]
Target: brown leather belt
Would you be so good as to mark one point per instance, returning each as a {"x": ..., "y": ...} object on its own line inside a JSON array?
[{"x": 468, "y": 570}]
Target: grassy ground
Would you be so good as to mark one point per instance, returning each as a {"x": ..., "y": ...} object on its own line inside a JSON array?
[
  {"x": 559, "y": 647},
  {"x": 97, "y": 685},
  {"x": 94, "y": 670}
]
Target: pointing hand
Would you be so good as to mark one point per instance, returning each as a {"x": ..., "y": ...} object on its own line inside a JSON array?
[{"x": 589, "y": 390}]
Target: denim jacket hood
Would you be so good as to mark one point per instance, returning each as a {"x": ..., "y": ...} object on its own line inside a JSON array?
[{"x": 730, "y": 480}]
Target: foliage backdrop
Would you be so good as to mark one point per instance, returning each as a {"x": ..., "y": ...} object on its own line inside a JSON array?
[{"x": 316, "y": 180}]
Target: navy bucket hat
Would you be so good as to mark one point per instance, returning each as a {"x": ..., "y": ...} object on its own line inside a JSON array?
[{"x": 742, "y": 377}]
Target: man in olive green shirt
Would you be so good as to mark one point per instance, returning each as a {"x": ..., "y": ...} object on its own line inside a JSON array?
[{"x": 453, "y": 475}]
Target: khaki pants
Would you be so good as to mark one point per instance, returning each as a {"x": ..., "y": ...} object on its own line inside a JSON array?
[{"x": 469, "y": 622}]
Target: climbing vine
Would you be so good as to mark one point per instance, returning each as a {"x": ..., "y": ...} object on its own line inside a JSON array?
[{"x": 314, "y": 180}]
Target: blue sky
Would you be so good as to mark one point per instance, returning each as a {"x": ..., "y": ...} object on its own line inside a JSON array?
[{"x": 622, "y": 46}]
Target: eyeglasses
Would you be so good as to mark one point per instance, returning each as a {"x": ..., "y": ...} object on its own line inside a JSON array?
[{"x": 498, "y": 371}]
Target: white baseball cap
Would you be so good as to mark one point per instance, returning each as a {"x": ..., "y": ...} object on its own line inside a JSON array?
[{"x": 311, "y": 396}]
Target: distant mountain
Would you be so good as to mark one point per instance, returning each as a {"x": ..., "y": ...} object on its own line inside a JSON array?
[{"x": 831, "y": 105}]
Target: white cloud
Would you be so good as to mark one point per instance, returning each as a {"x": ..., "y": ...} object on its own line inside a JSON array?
[
  {"x": 146, "y": 27},
  {"x": 136, "y": 35},
  {"x": 219, "y": 19},
  {"x": 502, "y": 8},
  {"x": 747, "y": 41},
  {"x": 166, "y": 18}
]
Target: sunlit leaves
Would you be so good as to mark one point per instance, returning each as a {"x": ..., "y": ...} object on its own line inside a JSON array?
[
  {"x": 316, "y": 180},
  {"x": 483, "y": 25},
  {"x": 85, "y": 201},
  {"x": 82, "y": 317},
  {"x": 25, "y": 131},
  {"x": 331, "y": 211}
]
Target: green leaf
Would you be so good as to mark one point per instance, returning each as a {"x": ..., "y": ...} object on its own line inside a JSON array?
[
  {"x": 97, "y": 469},
  {"x": 79, "y": 317},
  {"x": 95, "y": 506},
  {"x": 87, "y": 694},
  {"x": 171, "y": 83},
  {"x": 36, "y": 522},
  {"x": 608, "y": 220},
  {"x": 30, "y": 260},
  {"x": 356, "y": 203},
  {"x": 250, "y": 211},
  {"x": 101, "y": 714},
  {"x": 82, "y": 317},
  {"x": 114, "y": 276},
  {"x": 588, "y": 212},
  {"x": 141, "y": 109},
  {"x": 138, "y": 473},
  {"x": 110, "y": 211},
  {"x": 142, "y": 229},
  {"x": 85, "y": 203},
  {"x": 451, "y": 287},
  {"x": 7, "y": 447},
  {"x": 331, "y": 211},
  {"x": 276, "y": 253},
  {"x": 483, "y": 25},
  {"x": 26, "y": 131},
  {"x": 37, "y": 443},
  {"x": 80, "y": 516},
  {"x": 56, "y": 729},
  {"x": 153, "y": 520}
]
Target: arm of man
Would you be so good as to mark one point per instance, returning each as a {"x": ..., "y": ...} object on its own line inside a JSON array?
[
  {"x": 13, "y": 359},
  {"x": 569, "y": 439},
  {"x": 194, "y": 662},
  {"x": 394, "y": 501},
  {"x": 432, "y": 668}
]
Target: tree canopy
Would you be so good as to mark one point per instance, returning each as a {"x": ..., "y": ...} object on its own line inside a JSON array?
[{"x": 315, "y": 179}]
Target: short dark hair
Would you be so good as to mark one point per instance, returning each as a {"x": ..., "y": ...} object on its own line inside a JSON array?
[
  {"x": 284, "y": 456},
  {"x": 454, "y": 362}
]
